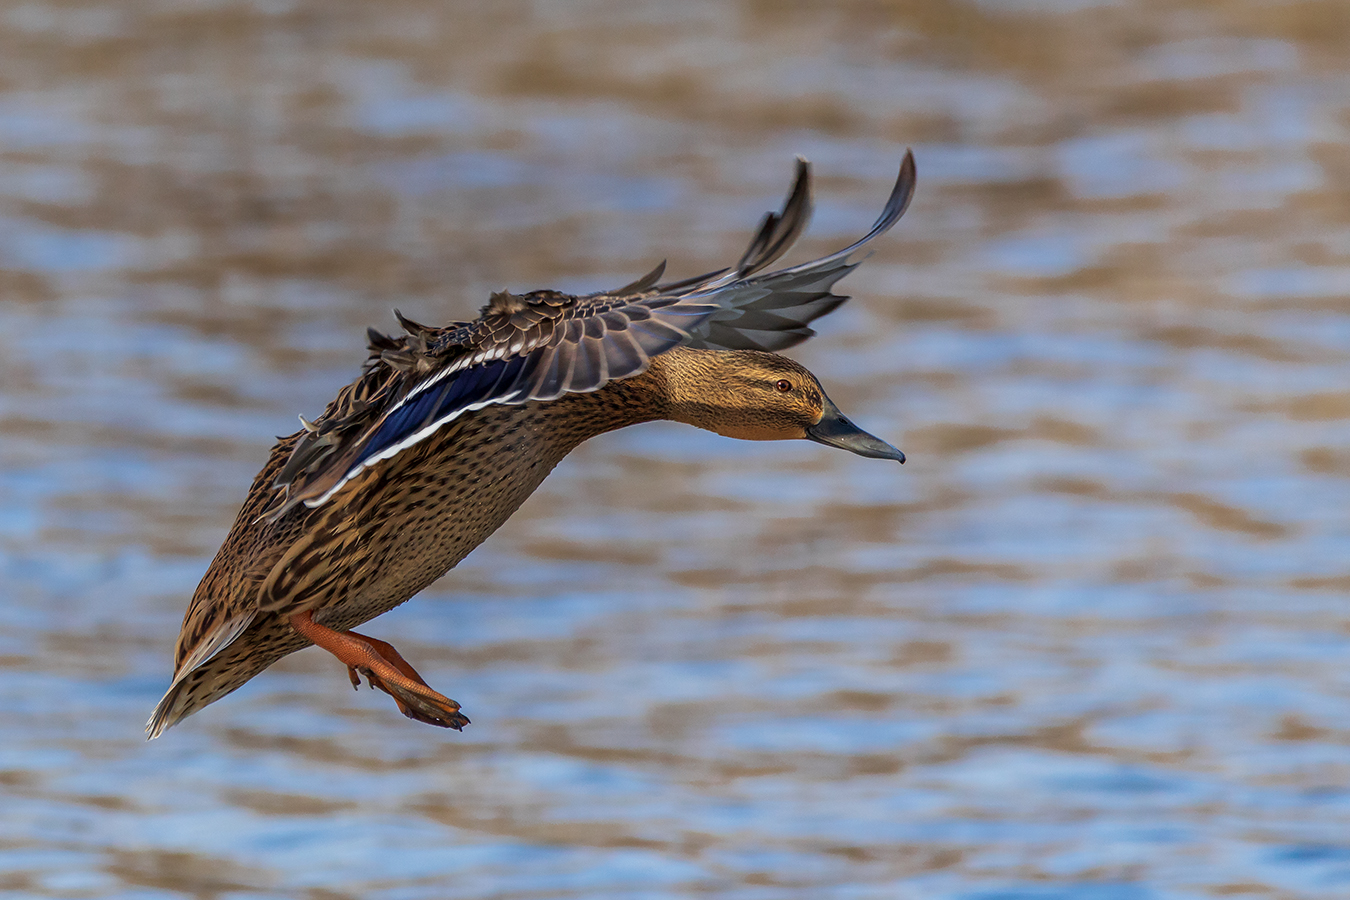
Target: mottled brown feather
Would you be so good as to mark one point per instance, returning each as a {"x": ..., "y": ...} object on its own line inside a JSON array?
[{"x": 347, "y": 537}]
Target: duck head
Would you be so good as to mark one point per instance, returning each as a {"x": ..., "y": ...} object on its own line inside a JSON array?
[{"x": 757, "y": 396}]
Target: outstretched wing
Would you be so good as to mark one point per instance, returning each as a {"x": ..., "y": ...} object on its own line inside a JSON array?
[
  {"x": 545, "y": 344},
  {"x": 771, "y": 311}
]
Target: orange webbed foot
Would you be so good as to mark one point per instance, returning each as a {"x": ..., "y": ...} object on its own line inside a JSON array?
[{"x": 385, "y": 669}]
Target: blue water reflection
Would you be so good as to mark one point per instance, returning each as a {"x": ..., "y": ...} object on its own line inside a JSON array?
[{"x": 1088, "y": 642}]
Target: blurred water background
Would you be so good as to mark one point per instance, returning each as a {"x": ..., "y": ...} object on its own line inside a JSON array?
[{"x": 1091, "y": 642}]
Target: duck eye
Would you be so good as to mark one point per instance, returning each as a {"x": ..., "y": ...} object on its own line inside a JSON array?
[{"x": 784, "y": 385}]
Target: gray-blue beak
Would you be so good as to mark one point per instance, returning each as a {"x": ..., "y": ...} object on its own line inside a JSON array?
[{"x": 835, "y": 430}]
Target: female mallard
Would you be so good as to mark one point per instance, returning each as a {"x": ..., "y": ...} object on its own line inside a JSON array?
[{"x": 448, "y": 430}]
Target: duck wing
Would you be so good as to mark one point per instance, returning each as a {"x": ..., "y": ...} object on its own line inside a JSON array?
[{"x": 541, "y": 345}]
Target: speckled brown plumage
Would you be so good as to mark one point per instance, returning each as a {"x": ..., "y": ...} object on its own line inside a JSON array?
[{"x": 448, "y": 430}]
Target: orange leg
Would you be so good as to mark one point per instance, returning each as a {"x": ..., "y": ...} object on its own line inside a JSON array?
[
  {"x": 390, "y": 655},
  {"x": 384, "y": 669}
]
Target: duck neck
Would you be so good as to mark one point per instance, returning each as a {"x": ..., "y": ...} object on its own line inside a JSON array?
[
  {"x": 692, "y": 385},
  {"x": 680, "y": 385},
  {"x": 661, "y": 392}
]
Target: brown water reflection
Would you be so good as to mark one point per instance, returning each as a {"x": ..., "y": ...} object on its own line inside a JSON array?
[{"x": 1088, "y": 643}]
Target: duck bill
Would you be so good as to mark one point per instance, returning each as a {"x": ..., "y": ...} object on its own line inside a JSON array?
[{"x": 835, "y": 430}]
